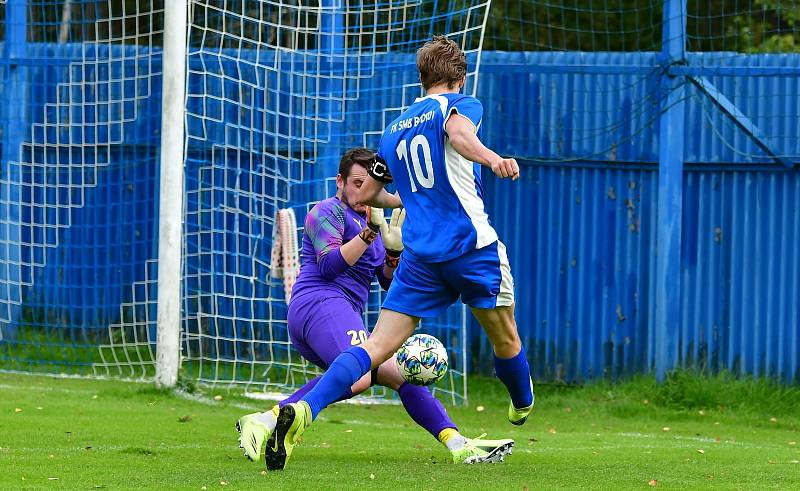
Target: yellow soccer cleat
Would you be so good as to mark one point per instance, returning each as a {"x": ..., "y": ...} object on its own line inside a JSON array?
[
  {"x": 519, "y": 416},
  {"x": 292, "y": 422},
  {"x": 252, "y": 434},
  {"x": 478, "y": 450}
]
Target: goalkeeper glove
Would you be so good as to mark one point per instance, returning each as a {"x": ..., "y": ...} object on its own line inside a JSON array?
[
  {"x": 391, "y": 233},
  {"x": 370, "y": 232}
]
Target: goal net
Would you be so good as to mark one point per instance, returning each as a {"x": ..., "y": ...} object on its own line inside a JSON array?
[{"x": 276, "y": 91}]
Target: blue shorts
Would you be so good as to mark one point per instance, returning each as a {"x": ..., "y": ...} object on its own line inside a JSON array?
[{"x": 481, "y": 277}]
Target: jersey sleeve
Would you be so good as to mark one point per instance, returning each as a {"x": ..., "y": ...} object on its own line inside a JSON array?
[
  {"x": 469, "y": 107},
  {"x": 324, "y": 226}
]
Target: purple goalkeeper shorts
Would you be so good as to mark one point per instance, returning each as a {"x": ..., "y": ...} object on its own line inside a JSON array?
[{"x": 322, "y": 326}]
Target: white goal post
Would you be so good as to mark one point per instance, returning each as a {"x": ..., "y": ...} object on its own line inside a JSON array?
[{"x": 170, "y": 217}]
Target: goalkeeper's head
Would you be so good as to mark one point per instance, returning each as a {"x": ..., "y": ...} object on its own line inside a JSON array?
[
  {"x": 352, "y": 174},
  {"x": 442, "y": 65}
]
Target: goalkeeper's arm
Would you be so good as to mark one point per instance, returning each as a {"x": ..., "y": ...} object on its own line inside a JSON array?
[{"x": 462, "y": 136}]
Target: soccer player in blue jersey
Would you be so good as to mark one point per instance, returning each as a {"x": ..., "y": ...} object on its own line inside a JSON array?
[
  {"x": 344, "y": 249},
  {"x": 433, "y": 155}
]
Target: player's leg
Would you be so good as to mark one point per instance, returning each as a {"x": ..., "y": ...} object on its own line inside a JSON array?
[
  {"x": 483, "y": 277},
  {"x": 414, "y": 289},
  {"x": 510, "y": 359},
  {"x": 348, "y": 368},
  {"x": 319, "y": 329},
  {"x": 391, "y": 330},
  {"x": 255, "y": 428},
  {"x": 431, "y": 415},
  {"x": 357, "y": 388},
  {"x": 333, "y": 335},
  {"x": 418, "y": 401}
]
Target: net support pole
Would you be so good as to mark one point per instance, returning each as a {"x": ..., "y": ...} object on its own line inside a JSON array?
[
  {"x": 670, "y": 190},
  {"x": 331, "y": 89},
  {"x": 14, "y": 117},
  {"x": 170, "y": 216}
]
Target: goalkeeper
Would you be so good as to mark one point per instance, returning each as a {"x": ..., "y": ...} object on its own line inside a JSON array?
[{"x": 345, "y": 246}]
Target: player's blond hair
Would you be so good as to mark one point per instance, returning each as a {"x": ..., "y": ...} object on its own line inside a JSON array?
[{"x": 439, "y": 61}]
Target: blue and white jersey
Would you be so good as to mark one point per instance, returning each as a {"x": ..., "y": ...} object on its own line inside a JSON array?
[{"x": 440, "y": 189}]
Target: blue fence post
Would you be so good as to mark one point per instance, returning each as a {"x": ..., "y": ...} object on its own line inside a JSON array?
[
  {"x": 15, "y": 121},
  {"x": 670, "y": 190}
]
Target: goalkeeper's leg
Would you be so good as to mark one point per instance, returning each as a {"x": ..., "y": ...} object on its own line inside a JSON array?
[
  {"x": 391, "y": 330},
  {"x": 319, "y": 329},
  {"x": 255, "y": 428},
  {"x": 350, "y": 366},
  {"x": 431, "y": 415}
]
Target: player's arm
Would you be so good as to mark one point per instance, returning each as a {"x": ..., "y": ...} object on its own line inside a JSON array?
[
  {"x": 326, "y": 230},
  {"x": 372, "y": 191},
  {"x": 462, "y": 136}
]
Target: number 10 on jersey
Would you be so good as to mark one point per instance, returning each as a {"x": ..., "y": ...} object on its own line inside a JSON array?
[{"x": 418, "y": 142}]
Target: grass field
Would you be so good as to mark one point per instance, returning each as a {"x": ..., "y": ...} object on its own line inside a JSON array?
[{"x": 691, "y": 432}]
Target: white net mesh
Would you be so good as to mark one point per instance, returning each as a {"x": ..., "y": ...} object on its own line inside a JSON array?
[
  {"x": 78, "y": 171},
  {"x": 276, "y": 92}
]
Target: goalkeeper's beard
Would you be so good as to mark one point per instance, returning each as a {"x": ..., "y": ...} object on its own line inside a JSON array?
[{"x": 358, "y": 208}]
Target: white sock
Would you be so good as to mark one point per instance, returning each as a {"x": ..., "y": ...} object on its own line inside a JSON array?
[
  {"x": 268, "y": 418},
  {"x": 456, "y": 443}
]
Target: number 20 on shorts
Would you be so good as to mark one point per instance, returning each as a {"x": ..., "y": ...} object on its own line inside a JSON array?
[{"x": 357, "y": 337}]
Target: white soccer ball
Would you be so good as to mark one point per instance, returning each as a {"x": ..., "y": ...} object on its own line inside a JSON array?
[{"x": 422, "y": 360}]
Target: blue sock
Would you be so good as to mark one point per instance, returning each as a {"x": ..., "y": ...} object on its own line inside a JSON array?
[
  {"x": 299, "y": 393},
  {"x": 515, "y": 374},
  {"x": 346, "y": 369}
]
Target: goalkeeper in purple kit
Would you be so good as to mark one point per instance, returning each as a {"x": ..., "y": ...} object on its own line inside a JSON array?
[
  {"x": 346, "y": 246},
  {"x": 432, "y": 154}
]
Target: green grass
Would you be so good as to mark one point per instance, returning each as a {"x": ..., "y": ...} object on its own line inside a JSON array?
[{"x": 113, "y": 435}]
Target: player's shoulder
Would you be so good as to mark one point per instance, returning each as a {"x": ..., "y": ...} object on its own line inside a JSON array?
[
  {"x": 453, "y": 101},
  {"x": 458, "y": 97},
  {"x": 466, "y": 106},
  {"x": 330, "y": 207},
  {"x": 464, "y": 101}
]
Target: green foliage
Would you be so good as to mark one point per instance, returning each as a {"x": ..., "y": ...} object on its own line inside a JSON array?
[
  {"x": 574, "y": 25},
  {"x": 754, "y": 26},
  {"x": 745, "y": 26}
]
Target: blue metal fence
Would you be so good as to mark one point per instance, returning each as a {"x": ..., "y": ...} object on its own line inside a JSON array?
[
  {"x": 581, "y": 241},
  {"x": 581, "y": 232}
]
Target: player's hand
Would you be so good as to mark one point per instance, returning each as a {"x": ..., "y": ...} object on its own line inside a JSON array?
[
  {"x": 391, "y": 233},
  {"x": 503, "y": 168}
]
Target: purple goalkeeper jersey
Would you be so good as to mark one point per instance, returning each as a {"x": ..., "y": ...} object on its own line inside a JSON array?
[{"x": 323, "y": 271}]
